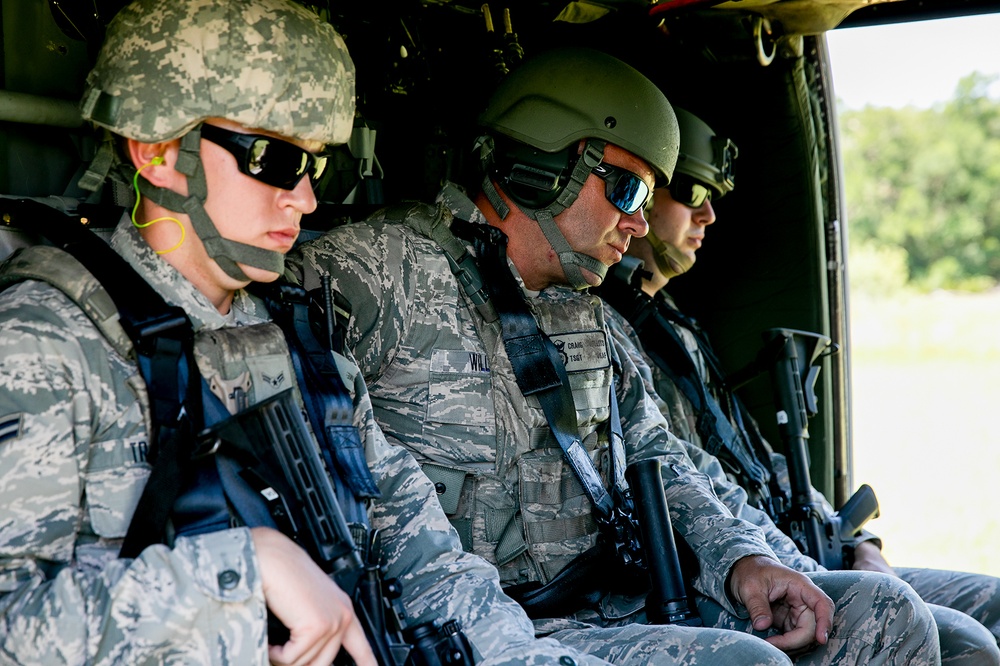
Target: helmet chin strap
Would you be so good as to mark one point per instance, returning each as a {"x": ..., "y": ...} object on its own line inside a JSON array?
[
  {"x": 226, "y": 253},
  {"x": 571, "y": 261},
  {"x": 671, "y": 261}
]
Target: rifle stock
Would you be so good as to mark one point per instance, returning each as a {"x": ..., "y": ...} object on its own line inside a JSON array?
[{"x": 828, "y": 539}]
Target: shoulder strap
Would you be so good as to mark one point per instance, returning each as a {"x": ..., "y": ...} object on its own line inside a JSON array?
[
  {"x": 162, "y": 344},
  {"x": 539, "y": 370},
  {"x": 462, "y": 263},
  {"x": 63, "y": 271},
  {"x": 328, "y": 402}
]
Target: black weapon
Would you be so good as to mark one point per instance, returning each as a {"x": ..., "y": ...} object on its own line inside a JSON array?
[
  {"x": 667, "y": 601},
  {"x": 827, "y": 539},
  {"x": 279, "y": 461}
]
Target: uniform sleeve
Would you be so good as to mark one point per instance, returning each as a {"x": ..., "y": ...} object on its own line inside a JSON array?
[
  {"x": 440, "y": 581},
  {"x": 372, "y": 265},
  {"x": 64, "y": 597},
  {"x": 735, "y": 498},
  {"x": 717, "y": 538}
]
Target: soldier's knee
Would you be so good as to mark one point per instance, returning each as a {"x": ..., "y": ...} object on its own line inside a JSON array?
[
  {"x": 763, "y": 653},
  {"x": 900, "y": 589},
  {"x": 964, "y": 641},
  {"x": 740, "y": 648}
]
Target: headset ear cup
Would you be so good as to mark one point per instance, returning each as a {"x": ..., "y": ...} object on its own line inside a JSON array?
[{"x": 531, "y": 177}]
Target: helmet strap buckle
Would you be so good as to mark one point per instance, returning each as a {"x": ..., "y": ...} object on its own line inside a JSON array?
[{"x": 189, "y": 157}]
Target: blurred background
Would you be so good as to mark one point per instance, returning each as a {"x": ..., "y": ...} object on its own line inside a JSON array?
[{"x": 919, "y": 113}]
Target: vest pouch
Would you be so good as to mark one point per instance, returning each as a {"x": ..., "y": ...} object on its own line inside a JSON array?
[
  {"x": 558, "y": 516},
  {"x": 460, "y": 419},
  {"x": 448, "y": 484},
  {"x": 244, "y": 365}
]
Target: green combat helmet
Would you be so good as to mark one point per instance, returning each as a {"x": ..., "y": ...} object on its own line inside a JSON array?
[
  {"x": 168, "y": 65},
  {"x": 536, "y": 119},
  {"x": 705, "y": 161}
]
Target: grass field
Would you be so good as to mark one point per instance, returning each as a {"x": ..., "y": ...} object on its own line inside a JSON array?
[{"x": 926, "y": 403}]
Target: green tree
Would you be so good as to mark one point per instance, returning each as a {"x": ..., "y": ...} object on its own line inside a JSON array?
[{"x": 926, "y": 181}]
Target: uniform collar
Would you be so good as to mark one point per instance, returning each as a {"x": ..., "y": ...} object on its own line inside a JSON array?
[{"x": 175, "y": 288}]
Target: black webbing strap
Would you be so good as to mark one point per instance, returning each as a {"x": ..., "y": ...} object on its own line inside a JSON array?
[
  {"x": 745, "y": 429},
  {"x": 163, "y": 341},
  {"x": 652, "y": 321},
  {"x": 538, "y": 369},
  {"x": 327, "y": 400}
]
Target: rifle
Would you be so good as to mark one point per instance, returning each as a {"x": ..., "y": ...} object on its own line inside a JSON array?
[
  {"x": 828, "y": 539},
  {"x": 281, "y": 464}
]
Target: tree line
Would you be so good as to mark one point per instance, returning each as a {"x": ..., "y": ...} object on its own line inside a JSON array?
[{"x": 923, "y": 192}]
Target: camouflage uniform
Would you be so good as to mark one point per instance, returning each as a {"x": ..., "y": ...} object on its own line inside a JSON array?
[
  {"x": 72, "y": 466},
  {"x": 442, "y": 385},
  {"x": 952, "y": 597}
]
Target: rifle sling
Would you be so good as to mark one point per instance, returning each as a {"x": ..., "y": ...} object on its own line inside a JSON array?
[
  {"x": 713, "y": 424},
  {"x": 734, "y": 407}
]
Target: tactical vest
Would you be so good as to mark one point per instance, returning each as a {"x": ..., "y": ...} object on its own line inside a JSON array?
[
  {"x": 533, "y": 518},
  {"x": 683, "y": 367},
  {"x": 242, "y": 366}
]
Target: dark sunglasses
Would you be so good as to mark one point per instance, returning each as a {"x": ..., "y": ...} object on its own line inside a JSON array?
[
  {"x": 624, "y": 189},
  {"x": 688, "y": 191},
  {"x": 269, "y": 160}
]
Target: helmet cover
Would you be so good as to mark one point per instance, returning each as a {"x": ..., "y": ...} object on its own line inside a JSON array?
[{"x": 167, "y": 65}]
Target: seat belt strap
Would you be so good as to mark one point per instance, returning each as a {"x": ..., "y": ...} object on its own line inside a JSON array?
[{"x": 538, "y": 369}]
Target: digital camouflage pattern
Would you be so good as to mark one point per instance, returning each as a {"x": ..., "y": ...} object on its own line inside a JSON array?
[
  {"x": 955, "y": 600},
  {"x": 442, "y": 385},
  {"x": 167, "y": 65},
  {"x": 72, "y": 469}
]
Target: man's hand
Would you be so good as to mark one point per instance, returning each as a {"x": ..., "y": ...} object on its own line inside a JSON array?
[
  {"x": 318, "y": 614},
  {"x": 868, "y": 557},
  {"x": 777, "y": 596}
]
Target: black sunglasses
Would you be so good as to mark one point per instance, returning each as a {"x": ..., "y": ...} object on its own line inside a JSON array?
[
  {"x": 688, "y": 191},
  {"x": 269, "y": 160},
  {"x": 626, "y": 190}
]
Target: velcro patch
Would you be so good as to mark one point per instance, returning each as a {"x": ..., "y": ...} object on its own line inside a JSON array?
[
  {"x": 10, "y": 426},
  {"x": 582, "y": 351}
]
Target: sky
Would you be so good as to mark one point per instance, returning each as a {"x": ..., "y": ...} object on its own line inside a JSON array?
[{"x": 916, "y": 64}]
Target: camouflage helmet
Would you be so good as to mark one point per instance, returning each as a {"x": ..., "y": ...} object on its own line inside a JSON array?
[
  {"x": 167, "y": 65},
  {"x": 704, "y": 156},
  {"x": 554, "y": 100}
]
